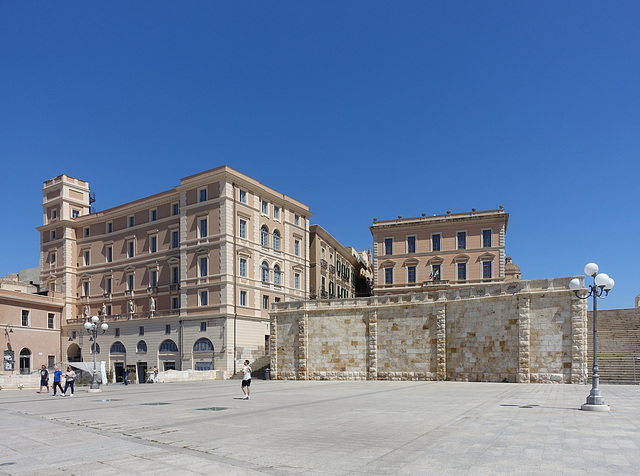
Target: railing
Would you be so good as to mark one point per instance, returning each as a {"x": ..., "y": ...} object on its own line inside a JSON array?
[
  {"x": 174, "y": 288},
  {"x": 323, "y": 263}
]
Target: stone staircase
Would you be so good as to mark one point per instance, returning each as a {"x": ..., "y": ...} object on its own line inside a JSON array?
[
  {"x": 618, "y": 346},
  {"x": 259, "y": 368}
]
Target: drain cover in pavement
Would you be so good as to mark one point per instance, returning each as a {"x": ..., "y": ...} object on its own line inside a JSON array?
[
  {"x": 213, "y": 409},
  {"x": 156, "y": 403}
]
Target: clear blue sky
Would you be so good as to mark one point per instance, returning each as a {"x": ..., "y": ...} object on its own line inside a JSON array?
[{"x": 359, "y": 109}]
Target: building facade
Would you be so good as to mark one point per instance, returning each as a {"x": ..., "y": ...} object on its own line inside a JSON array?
[
  {"x": 184, "y": 278},
  {"x": 410, "y": 254},
  {"x": 31, "y": 330},
  {"x": 334, "y": 269}
]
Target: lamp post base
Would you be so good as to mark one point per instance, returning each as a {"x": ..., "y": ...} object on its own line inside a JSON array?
[
  {"x": 94, "y": 390},
  {"x": 595, "y": 408}
]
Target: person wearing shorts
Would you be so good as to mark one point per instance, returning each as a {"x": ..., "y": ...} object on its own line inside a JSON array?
[
  {"x": 246, "y": 380},
  {"x": 44, "y": 378}
]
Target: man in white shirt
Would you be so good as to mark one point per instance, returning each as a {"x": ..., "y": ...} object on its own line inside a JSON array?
[{"x": 246, "y": 380}]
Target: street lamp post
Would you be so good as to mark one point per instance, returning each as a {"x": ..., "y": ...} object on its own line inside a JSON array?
[
  {"x": 92, "y": 329},
  {"x": 602, "y": 284}
]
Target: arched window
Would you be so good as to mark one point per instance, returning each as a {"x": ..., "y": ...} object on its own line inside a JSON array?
[
  {"x": 203, "y": 345},
  {"x": 276, "y": 240},
  {"x": 265, "y": 272},
  {"x": 264, "y": 235},
  {"x": 142, "y": 346},
  {"x": 118, "y": 348},
  {"x": 95, "y": 347},
  {"x": 276, "y": 274},
  {"x": 25, "y": 361},
  {"x": 168, "y": 346}
]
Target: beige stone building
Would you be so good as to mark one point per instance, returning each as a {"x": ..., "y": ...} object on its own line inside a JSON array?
[
  {"x": 335, "y": 270},
  {"x": 183, "y": 278},
  {"x": 30, "y": 328},
  {"x": 410, "y": 254}
]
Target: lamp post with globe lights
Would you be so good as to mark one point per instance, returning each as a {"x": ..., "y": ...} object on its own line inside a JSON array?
[
  {"x": 92, "y": 329},
  {"x": 602, "y": 284}
]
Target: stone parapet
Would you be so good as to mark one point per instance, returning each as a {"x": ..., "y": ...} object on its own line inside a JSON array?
[{"x": 525, "y": 331}]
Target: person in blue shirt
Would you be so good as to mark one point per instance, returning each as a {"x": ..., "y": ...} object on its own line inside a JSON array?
[{"x": 57, "y": 375}]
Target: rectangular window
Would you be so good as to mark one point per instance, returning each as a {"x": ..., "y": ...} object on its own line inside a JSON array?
[
  {"x": 25, "y": 318},
  {"x": 117, "y": 332},
  {"x": 243, "y": 196},
  {"x": 462, "y": 271},
  {"x": 51, "y": 319},
  {"x": 265, "y": 302},
  {"x": 167, "y": 329},
  {"x": 175, "y": 275},
  {"x": 85, "y": 288},
  {"x": 296, "y": 247},
  {"x": 435, "y": 272},
  {"x": 324, "y": 284},
  {"x": 276, "y": 212},
  {"x": 202, "y": 227},
  {"x": 265, "y": 208},
  {"x": 462, "y": 240},
  {"x": 175, "y": 239},
  {"x": 109, "y": 227},
  {"x": 175, "y": 303},
  {"x": 153, "y": 215},
  {"x": 204, "y": 298},
  {"x": 87, "y": 258},
  {"x": 411, "y": 244},
  {"x": 153, "y": 244},
  {"x": 486, "y": 238},
  {"x": 296, "y": 280},
  {"x": 435, "y": 242},
  {"x": 52, "y": 259},
  {"x": 109, "y": 253},
  {"x": 411, "y": 274},
  {"x": 243, "y": 267},
  {"x": 107, "y": 285},
  {"x": 141, "y": 330},
  {"x": 75, "y": 213},
  {"x": 132, "y": 221},
  {"x": 486, "y": 269},
  {"x": 203, "y": 194},
  {"x": 388, "y": 276},
  {"x": 53, "y": 235},
  {"x": 131, "y": 248},
  {"x": 54, "y": 214},
  {"x": 153, "y": 278},
  {"x": 243, "y": 228},
  {"x": 388, "y": 246},
  {"x": 204, "y": 262},
  {"x": 175, "y": 209},
  {"x": 130, "y": 281},
  {"x": 296, "y": 219},
  {"x": 87, "y": 231},
  {"x": 203, "y": 326},
  {"x": 243, "y": 298}
]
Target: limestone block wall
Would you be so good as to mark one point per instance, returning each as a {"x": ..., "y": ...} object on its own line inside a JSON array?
[{"x": 526, "y": 331}]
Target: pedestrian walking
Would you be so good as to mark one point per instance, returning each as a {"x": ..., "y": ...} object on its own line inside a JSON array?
[
  {"x": 44, "y": 378},
  {"x": 70, "y": 378},
  {"x": 155, "y": 374},
  {"x": 57, "y": 375},
  {"x": 125, "y": 376},
  {"x": 246, "y": 380}
]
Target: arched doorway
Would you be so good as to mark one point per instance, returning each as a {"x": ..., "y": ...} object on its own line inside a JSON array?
[
  {"x": 203, "y": 354},
  {"x": 25, "y": 361},
  {"x": 117, "y": 355},
  {"x": 74, "y": 354},
  {"x": 168, "y": 355}
]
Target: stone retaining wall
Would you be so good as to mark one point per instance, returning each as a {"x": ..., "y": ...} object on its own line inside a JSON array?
[{"x": 525, "y": 331}]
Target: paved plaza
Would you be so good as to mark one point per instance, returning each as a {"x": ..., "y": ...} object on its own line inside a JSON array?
[{"x": 320, "y": 428}]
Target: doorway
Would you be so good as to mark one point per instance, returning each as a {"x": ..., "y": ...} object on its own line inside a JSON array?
[
  {"x": 142, "y": 372},
  {"x": 119, "y": 371}
]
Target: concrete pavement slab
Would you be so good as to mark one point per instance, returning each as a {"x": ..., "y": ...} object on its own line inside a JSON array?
[{"x": 321, "y": 428}]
